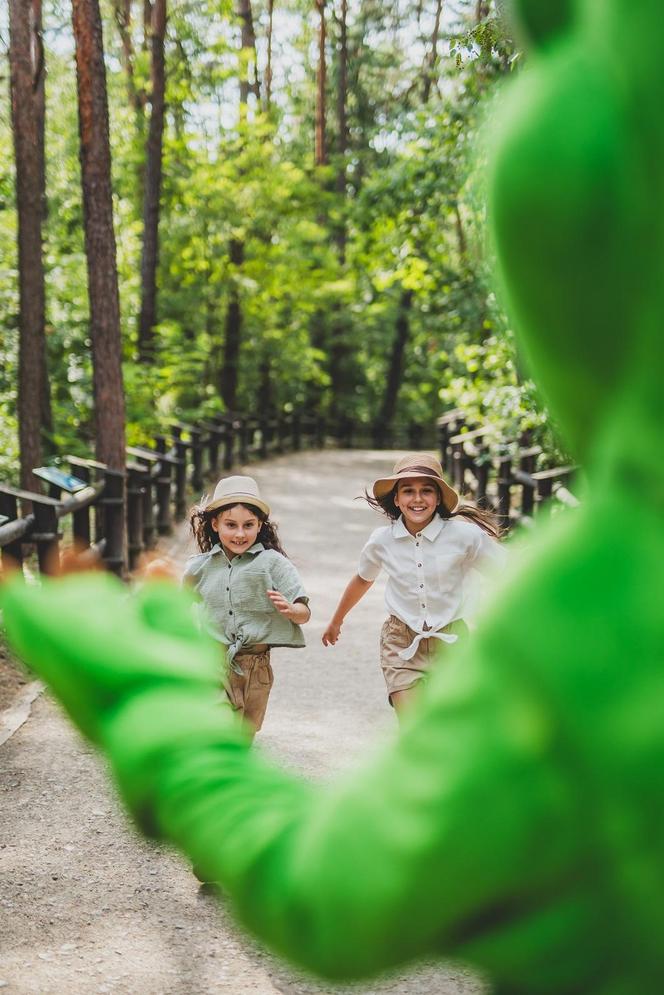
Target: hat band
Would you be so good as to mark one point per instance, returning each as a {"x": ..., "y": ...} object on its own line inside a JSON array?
[{"x": 428, "y": 471}]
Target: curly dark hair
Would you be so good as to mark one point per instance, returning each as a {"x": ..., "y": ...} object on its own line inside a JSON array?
[
  {"x": 201, "y": 527},
  {"x": 487, "y": 520}
]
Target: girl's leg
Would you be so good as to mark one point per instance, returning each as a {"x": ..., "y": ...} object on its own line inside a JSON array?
[
  {"x": 259, "y": 684},
  {"x": 402, "y": 700}
]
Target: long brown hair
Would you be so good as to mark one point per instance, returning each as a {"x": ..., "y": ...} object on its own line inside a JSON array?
[
  {"x": 201, "y": 527},
  {"x": 487, "y": 520}
]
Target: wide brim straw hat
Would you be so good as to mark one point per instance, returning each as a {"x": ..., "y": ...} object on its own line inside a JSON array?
[
  {"x": 235, "y": 490},
  {"x": 417, "y": 465}
]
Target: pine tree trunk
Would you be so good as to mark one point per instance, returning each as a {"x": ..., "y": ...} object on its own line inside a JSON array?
[
  {"x": 432, "y": 57},
  {"x": 342, "y": 121},
  {"x": 27, "y": 95},
  {"x": 150, "y": 254},
  {"x": 320, "y": 150},
  {"x": 228, "y": 378},
  {"x": 268, "y": 67},
  {"x": 99, "y": 234}
]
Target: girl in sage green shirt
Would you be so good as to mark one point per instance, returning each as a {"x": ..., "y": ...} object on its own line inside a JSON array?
[{"x": 252, "y": 595}]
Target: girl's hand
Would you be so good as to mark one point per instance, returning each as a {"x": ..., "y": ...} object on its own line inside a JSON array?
[
  {"x": 297, "y": 612},
  {"x": 331, "y": 634}
]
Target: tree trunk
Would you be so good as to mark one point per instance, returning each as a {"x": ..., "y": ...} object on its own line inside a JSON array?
[
  {"x": 248, "y": 51},
  {"x": 395, "y": 372},
  {"x": 150, "y": 254},
  {"x": 228, "y": 379},
  {"x": 342, "y": 120},
  {"x": 27, "y": 97},
  {"x": 95, "y": 157},
  {"x": 432, "y": 58},
  {"x": 481, "y": 10},
  {"x": 38, "y": 80},
  {"x": 268, "y": 67},
  {"x": 320, "y": 151},
  {"x": 122, "y": 13}
]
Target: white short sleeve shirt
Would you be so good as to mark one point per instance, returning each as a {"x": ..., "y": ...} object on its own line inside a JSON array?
[{"x": 428, "y": 573}]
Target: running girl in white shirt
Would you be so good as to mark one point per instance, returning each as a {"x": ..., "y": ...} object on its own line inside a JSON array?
[{"x": 428, "y": 553}]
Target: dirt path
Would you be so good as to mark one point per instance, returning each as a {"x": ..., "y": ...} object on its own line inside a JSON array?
[{"x": 86, "y": 905}]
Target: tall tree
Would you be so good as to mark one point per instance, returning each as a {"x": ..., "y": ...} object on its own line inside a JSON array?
[
  {"x": 228, "y": 377},
  {"x": 431, "y": 59},
  {"x": 122, "y": 13},
  {"x": 342, "y": 125},
  {"x": 95, "y": 155},
  {"x": 320, "y": 149},
  {"x": 27, "y": 96},
  {"x": 229, "y": 373},
  {"x": 248, "y": 63},
  {"x": 268, "y": 65},
  {"x": 152, "y": 191}
]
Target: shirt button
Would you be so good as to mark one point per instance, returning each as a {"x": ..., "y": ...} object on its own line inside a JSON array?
[
  {"x": 421, "y": 585},
  {"x": 417, "y": 543},
  {"x": 419, "y": 565},
  {"x": 228, "y": 588},
  {"x": 230, "y": 613}
]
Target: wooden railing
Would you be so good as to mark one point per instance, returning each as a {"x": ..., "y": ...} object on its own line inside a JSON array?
[
  {"x": 118, "y": 514},
  {"x": 113, "y": 510},
  {"x": 499, "y": 474}
]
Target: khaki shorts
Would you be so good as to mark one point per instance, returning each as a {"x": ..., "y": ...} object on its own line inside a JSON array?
[
  {"x": 395, "y": 636},
  {"x": 249, "y": 691}
]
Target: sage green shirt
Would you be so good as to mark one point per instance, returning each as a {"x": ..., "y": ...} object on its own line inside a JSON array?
[{"x": 236, "y": 609}]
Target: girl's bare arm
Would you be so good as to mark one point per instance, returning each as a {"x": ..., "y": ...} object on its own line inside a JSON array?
[{"x": 356, "y": 589}]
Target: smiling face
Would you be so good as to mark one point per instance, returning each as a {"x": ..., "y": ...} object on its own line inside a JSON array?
[
  {"x": 237, "y": 528},
  {"x": 417, "y": 499}
]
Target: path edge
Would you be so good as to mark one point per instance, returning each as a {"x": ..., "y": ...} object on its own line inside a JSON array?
[{"x": 14, "y": 717}]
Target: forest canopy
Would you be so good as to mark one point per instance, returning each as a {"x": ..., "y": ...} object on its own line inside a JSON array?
[{"x": 297, "y": 212}]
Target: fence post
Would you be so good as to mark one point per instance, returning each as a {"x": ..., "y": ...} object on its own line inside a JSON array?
[
  {"x": 243, "y": 431},
  {"x": 80, "y": 524},
  {"x": 458, "y": 466},
  {"x": 229, "y": 439},
  {"x": 180, "y": 472},
  {"x": 197, "y": 458},
  {"x": 148, "y": 508},
  {"x": 527, "y": 461},
  {"x": 544, "y": 492},
  {"x": 214, "y": 436},
  {"x": 482, "y": 471},
  {"x": 504, "y": 487},
  {"x": 45, "y": 536},
  {"x": 112, "y": 502},
  {"x": 12, "y": 551},
  {"x": 163, "y": 486},
  {"x": 135, "y": 537}
]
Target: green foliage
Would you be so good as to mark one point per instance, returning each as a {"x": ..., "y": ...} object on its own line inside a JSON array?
[{"x": 324, "y": 270}]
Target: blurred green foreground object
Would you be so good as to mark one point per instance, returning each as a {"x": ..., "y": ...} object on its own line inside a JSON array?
[{"x": 518, "y": 821}]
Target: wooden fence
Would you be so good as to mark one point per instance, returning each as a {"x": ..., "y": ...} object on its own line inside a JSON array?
[
  {"x": 118, "y": 515},
  {"x": 147, "y": 497},
  {"x": 500, "y": 474}
]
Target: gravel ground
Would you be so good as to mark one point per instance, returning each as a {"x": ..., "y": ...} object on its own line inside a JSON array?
[{"x": 86, "y": 905}]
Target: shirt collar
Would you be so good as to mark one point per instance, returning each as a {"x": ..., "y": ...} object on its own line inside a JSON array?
[
  {"x": 431, "y": 532},
  {"x": 257, "y": 547}
]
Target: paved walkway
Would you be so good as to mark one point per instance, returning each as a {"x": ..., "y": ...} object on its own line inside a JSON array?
[{"x": 86, "y": 906}]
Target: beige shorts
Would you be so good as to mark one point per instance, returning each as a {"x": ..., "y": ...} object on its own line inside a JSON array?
[
  {"x": 395, "y": 636},
  {"x": 249, "y": 691}
]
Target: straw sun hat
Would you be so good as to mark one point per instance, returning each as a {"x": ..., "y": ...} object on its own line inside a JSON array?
[
  {"x": 236, "y": 490},
  {"x": 417, "y": 465}
]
